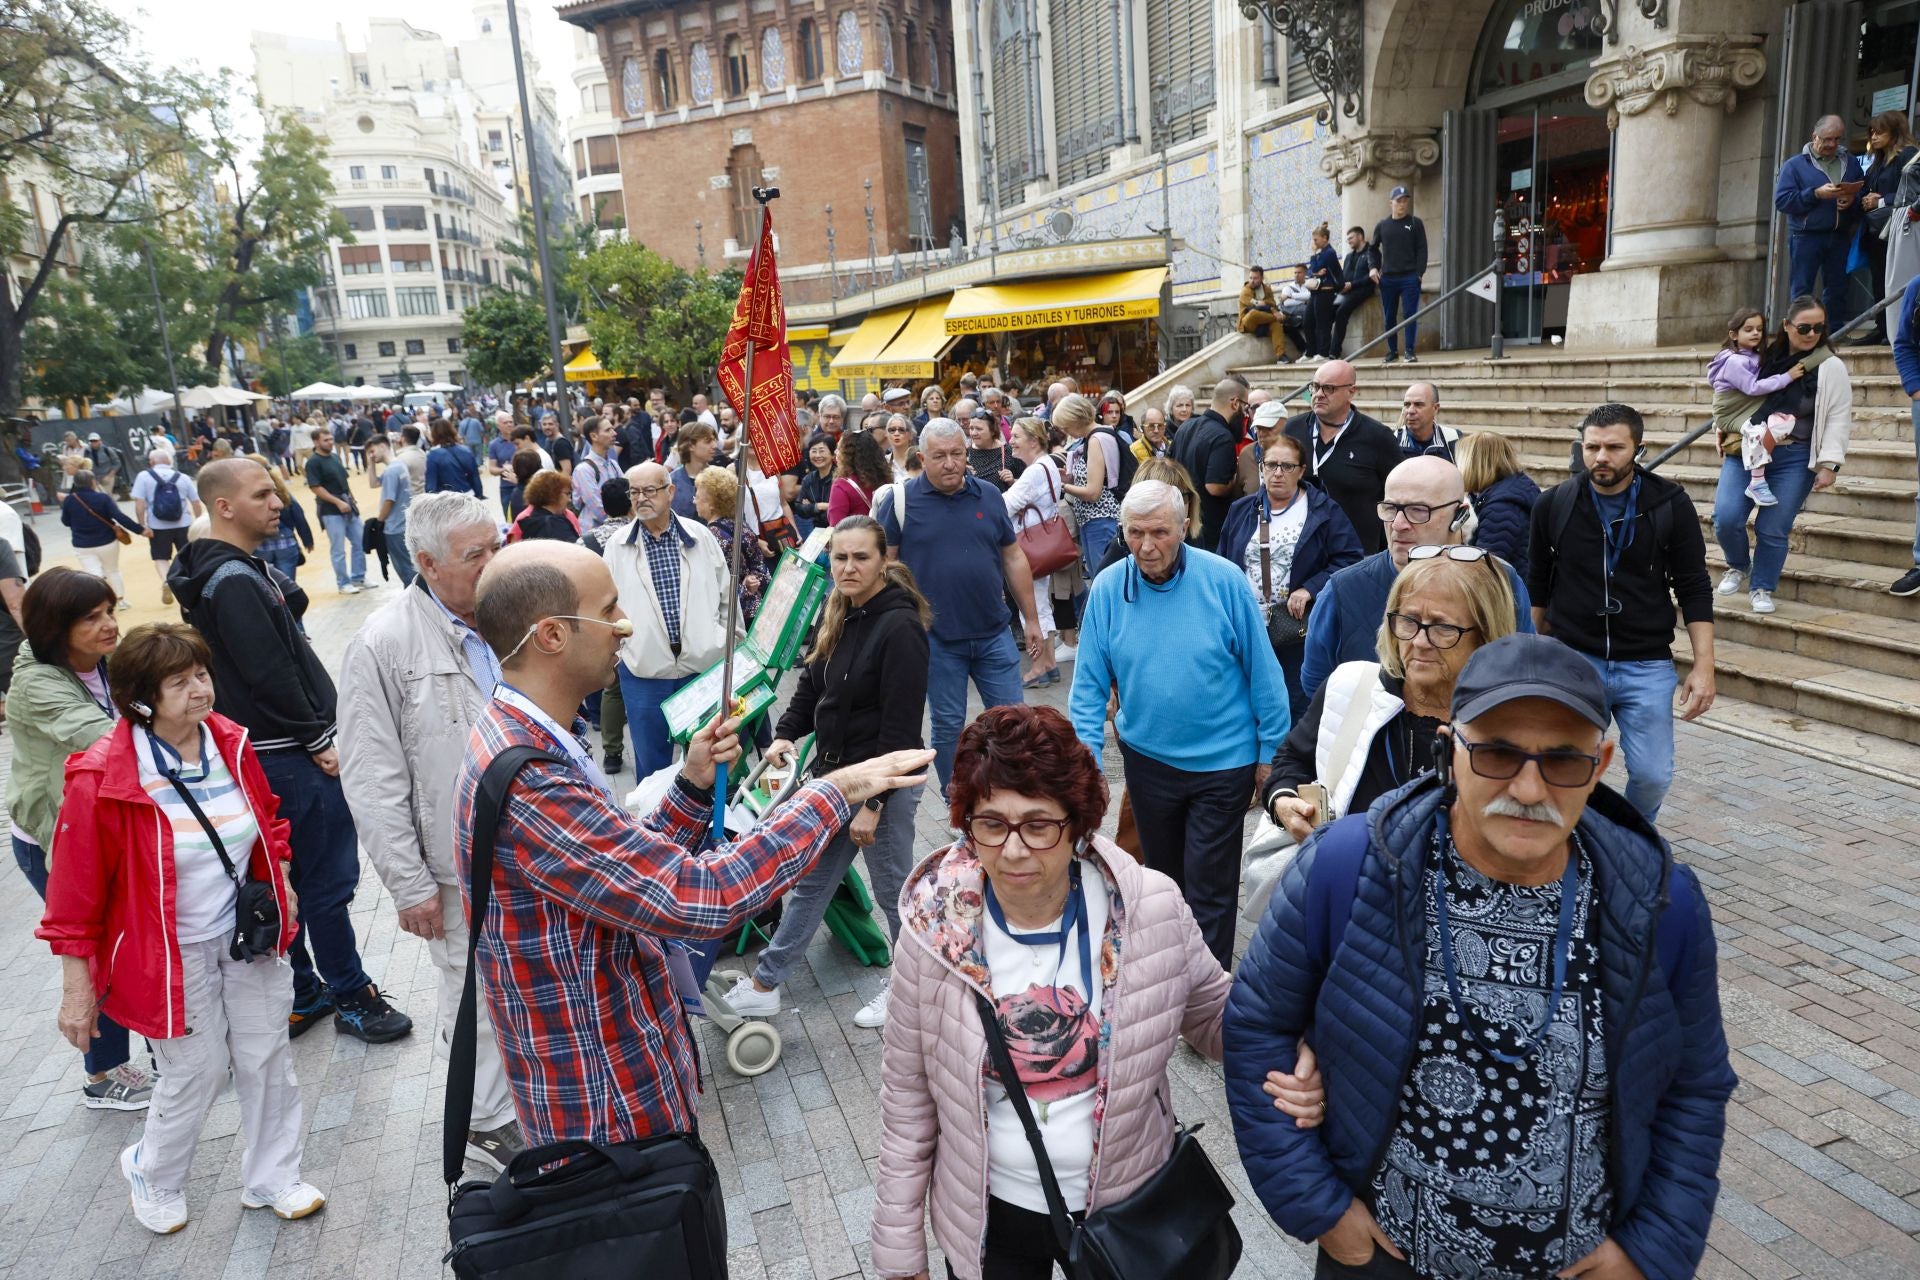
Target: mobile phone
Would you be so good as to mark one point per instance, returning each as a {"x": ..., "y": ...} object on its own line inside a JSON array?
[{"x": 1315, "y": 794}]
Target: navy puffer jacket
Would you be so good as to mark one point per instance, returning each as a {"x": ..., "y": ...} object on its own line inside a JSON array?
[
  {"x": 1505, "y": 512},
  {"x": 1340, "y": 961}
]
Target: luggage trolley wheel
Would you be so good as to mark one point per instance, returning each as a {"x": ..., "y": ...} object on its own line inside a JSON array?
[{"x": 753, "y": 1048}]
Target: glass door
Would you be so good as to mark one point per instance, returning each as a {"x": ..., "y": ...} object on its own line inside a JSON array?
[{"x": 1552, "y": 174}]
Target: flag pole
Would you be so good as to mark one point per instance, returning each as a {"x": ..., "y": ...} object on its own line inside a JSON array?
[{"x": 761, "y": 196}]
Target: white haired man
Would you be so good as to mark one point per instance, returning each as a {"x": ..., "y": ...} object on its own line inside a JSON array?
[
  {"x": 1189, "y": 785},
  {"x": 416, "y": 678},
  {"x": 166, "y": 503}
]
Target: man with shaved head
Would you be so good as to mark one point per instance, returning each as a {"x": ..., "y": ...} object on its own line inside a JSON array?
[
  {"x": 1425, "y": 504},
  {"x": 585, "y": 970},
  {"x": 268, "y": 679},
  {"x": 1348, "y": 453},
  {"x": 1819, "y": 191}
]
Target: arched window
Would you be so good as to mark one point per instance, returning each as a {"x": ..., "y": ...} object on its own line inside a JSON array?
[
  {"x": 773, "y": 60},
  {"x": 913, "y": 52},
  {"x": 736, "y": 54},
  {"x": 633, "y": 86},
  {"x": 850, "y": 51},
  {"x": 1519, "y": 46},
  {"x": 885, "y": 37},
  {"x": 811, "y": 64},
  {"x": 700, "y": 75},
  {"x": 933, "y": 60},
  {"x": 666, "y": 89},
  {"x": 743, "y": 172}
]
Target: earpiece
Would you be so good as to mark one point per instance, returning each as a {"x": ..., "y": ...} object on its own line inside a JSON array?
[
  {"x": 1462, "y": 516},
  {"x": 142, "y": 709}
]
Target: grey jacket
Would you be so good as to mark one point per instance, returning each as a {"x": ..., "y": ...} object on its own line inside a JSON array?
[{"x": 407, "y": 705}]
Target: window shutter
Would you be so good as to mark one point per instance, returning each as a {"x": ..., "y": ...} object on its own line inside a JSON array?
[
  {"x": 1085, "y": 80},
  {"x": 1180, "y": 51},
  {"x": 1014, "y": 161}
]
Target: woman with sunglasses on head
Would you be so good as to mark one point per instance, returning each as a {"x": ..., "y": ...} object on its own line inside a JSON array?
[
  {"x": 1307, "y": 536},
  {"x": 1446, "y": 603},
  {"x": 1805, "y": 460},
  {"x": 1092, "y": 970}
]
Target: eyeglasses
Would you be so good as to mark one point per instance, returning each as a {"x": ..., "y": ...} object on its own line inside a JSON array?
[
  {"x": 1415, "y": 512},
  {"x": 1035, "y": 833},
  {"x": 1327, "y": 388},
  {"x": 1441, "y": 635},
  {"x": 1805, "y": 329},
  {"x": 651, "y": 490},
  {"x": 1279, "y": 468},
  {"x": 1466, "y": 555},
  {"x": 1499, "y": 762}
]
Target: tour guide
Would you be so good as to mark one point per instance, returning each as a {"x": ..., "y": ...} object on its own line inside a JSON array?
[
  {"x": 579, "y": 973},
  {"x": 1510, "y": 984}
]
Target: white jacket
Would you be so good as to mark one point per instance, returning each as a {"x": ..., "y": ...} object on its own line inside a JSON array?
[
  {"x": 1832, "y": 414},
  {"x": 408, "y": 703},
  {"x": 1357, "y": 707},
  {"x": 703, "y": 603}
]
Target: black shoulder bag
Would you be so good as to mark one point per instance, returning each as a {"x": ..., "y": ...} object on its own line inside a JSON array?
[
  {"x": 1178, "y": 1223},
  {"x": 256, "y": 923},
  {"x": 649, "y": 1208}
]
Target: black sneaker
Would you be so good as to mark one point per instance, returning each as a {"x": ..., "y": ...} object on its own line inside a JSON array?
[
  {"x": 1412, "y": 359},
  {"x": 1392, "y": 357},
  {"x": 1909, "y": 584},
  {"x": 305, "y": 1016},
  {"x": 367, "y": 1016},
  {"x": 495, "y": 1148},
  {"x": 614, "y": 763}
]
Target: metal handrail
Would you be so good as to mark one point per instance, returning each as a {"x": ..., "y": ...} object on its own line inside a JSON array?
[
  {"x": 1365, "y": 347},
  {"x": 1686, "y": 441}
]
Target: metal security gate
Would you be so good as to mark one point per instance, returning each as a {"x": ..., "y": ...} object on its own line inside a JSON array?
[{"x": 1467, "y": 177}]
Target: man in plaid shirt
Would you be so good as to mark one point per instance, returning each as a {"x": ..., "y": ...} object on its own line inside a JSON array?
[{"x": 580, "y": 952}]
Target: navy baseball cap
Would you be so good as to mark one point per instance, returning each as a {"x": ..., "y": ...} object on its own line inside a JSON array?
[
  {"x": 1529, "y": 666},
  {"x": 1398, "y": 193}
]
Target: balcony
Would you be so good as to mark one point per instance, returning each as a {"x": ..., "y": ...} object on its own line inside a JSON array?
[
  {"x": 447, "y": 191},
  {"x": 459, "y": 235}
]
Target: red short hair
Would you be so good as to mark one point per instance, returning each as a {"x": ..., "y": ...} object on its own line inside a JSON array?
[{"x": 1032, "y": 751}]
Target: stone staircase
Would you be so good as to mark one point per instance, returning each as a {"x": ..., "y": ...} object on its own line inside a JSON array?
[{"x": 1836, "y": 671}]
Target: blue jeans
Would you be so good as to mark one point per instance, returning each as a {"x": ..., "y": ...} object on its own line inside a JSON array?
[
  {"x": 286, "y": 560},
  {"x": 1640, "y": 696},
  {"x": 402, "y": 558},
  {"x": 1822, "y": 255},
  {"x": 1791, "y": 482},
  {"x": 993, "y": 663},
  {"x": 1096, "y": 536},
  {"x": 652, "y": 748},
  {"x": 1399, "y": 293},
  {"x": 510, "y": 500},
  {"x": 325, "y": 871},
  {"x": 1916, "y": 494},
  {"x": 110, "y": 1046},
  {"x": 343, "y": 535},
  {"x": 1292, "y": 658}
]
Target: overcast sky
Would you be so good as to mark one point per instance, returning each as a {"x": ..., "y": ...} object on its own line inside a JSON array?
[{"x": 186, "y": 33}]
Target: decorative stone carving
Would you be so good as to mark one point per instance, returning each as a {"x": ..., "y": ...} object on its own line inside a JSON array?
[
  {"x": 1710, "y": 71},
  {"x": 1399, "y": 154}
]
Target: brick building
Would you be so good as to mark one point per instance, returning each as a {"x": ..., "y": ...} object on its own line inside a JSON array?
[{"x": 817, "y": 97}]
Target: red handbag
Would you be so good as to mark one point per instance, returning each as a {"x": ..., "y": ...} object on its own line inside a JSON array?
[{"x": 1047, "y": 543}]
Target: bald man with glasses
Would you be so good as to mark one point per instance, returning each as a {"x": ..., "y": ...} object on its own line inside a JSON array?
[{"x": 1349, "y": 454}]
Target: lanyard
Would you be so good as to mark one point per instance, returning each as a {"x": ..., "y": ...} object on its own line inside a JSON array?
[
  {"x": 113, "y": 712},
  {"x": 565, "y": 741},
  {"x": 168, "y": 763},
  {"x": 1562, "y": 944},
  {"x": 1075, "y": 913},
  {"x": 1321, "y": 459},
  {"x": 1619, "y": 536}
]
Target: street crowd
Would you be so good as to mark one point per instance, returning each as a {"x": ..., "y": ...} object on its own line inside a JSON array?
[{"x": 1476, "y": 1032}]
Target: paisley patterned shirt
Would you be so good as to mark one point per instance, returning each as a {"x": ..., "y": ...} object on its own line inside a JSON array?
[{"x": 1499, "y": 1172}]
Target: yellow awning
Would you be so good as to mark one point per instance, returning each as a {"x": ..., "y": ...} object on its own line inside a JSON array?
[
  {"x": 1050, "y": 304},
  {"x": 868, "y": 341},
  {"x": 586, "y": 367},
  {"x": 916, "y": 351}
]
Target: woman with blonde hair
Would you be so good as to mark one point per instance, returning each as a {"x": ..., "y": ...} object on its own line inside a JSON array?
[
  {"x": 1093, "y": 468},
  {"x": 1036, "y": 490},
  {"x": 716, "y": 494},
  {"x": 1502, "y": 493}
]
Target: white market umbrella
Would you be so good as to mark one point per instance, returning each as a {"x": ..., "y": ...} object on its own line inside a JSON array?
[
  {"x": 319, "y": 391},
  {"x": 234, "y": 397},
  {"x": 371, "y": 393},
  {"x": 200, "y": 398},
  {"x": 443, "y": 386}
]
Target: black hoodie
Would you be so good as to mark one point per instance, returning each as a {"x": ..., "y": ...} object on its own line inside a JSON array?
[
  {"x": 265, "y": 674},
  {"x": 859, "y": 714}
]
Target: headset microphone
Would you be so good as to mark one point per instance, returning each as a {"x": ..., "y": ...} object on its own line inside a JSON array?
[{"x": 624, "y": 627}]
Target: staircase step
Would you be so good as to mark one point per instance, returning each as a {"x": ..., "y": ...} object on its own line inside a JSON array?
[
  {"x": 1888, "y": 758},
  {"x": 1837, "y": 585},
  {"x": 1822, "y": 690},
  {"x": 1890, "y": 646},
  {"x": 1852, "y": 497},
  {"x": 1867, "y": 458},
  {"x": 1870, "y": 391},
  {"x": 1550, "y": 416}
]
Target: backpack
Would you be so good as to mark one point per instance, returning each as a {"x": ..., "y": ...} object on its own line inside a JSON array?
[
  {"x": 1560, "y": 503},
  {"x": 166, "y": 504},
  {"x": 1128, "y": 463}
]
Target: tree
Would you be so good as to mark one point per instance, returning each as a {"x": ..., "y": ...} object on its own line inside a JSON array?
[
  {"x": 402, "y": 378},
  {"x": 73, "y": 351},
  {"x": 505, "y": 338},
  {"x": 290, "y": 363},
  {"x": 650, "y": 318},
  {"x": 568, "y": 242}
]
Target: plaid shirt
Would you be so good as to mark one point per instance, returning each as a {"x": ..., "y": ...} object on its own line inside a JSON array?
[
  {"x": 663, "y": 562},
  {"x": 595, "y": 1042},
  {"x": 590, "y": 471}
]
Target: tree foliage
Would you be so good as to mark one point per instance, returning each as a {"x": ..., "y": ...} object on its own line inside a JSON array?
[
  {"x": 290, "y": 362},
  {"x": 653, "y": 319},
  {"x": 505, "y": 338}
]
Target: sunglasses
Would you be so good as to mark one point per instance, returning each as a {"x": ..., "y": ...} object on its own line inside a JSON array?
[
  {"x": 1466, "y": 555},
  {"x": 1805, "y": 329},
  {"x": 1498, "y": 762}
]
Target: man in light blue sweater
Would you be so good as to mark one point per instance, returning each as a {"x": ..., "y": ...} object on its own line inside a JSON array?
[{"x": 1195, "y": 728}]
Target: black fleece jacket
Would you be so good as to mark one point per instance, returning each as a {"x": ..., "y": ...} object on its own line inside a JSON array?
[
  {"x": 266, "y": 676},
  {"x": 859, "y": 714}
]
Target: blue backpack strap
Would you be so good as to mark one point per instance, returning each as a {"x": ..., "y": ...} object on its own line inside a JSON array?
[{"x": 1332, "y": 881}]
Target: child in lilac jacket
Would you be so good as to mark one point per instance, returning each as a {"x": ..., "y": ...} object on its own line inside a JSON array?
[{"x": 1738, "y": 390}]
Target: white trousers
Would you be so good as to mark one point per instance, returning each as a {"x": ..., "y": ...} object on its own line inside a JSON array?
[
  {"x": 104, "y": 562},
  {"x": 492, "y": 1100},
  {"x": 1043, "y": 603},
  {"x": 236, "y": 1018}
]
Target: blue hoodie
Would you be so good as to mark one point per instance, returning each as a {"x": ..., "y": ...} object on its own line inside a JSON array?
[{"x": 1906, "y": 339}]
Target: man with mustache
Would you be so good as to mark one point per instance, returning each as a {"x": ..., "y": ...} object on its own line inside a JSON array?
[{"x": 1510, "y": 984}]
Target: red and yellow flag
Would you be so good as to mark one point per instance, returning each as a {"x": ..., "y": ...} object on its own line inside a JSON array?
[{"x": 760, "y": 322}]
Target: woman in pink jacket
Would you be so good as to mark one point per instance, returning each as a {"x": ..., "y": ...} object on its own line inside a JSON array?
[{"x": 1096, "y": 969}]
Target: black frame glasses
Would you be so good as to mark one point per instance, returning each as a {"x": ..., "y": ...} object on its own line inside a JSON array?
[
  {"x": 1501, "y": 762},
  {"x": 1035, "y": 833},
  {"x": 1441, "y": 635},
  {"x": 1327, "y": 388},
  {"x": 1280, "y": 468},
  {"x": 1415, "y": 512}
]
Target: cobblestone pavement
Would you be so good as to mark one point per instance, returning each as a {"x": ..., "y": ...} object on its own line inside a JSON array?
[{"x": 1815, "y": 883}]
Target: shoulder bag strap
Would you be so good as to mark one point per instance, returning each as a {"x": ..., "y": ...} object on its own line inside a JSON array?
[
  {"x": 233, "y": 874},
  {"x": 1017, "y": 1095},
  {"x": 1266, "y": 554},
  {"x": 489, "y": 803}
]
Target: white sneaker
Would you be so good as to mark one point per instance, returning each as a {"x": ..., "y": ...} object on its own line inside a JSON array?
[
  {"x": 873, "y": 1013},
  {"x": 350, "y": 590},
  {"x": 750, "y": 1001},
  {"x": 161, "y": 1212},
  {"x": 1065, "y": 652},
  {"x": 1731, "y": 583},
  {"x": 297, "y": 1201},
  {"x": 1762, "y": 601}
]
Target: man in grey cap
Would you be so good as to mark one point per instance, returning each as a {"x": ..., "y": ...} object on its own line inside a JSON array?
[
  {"x": 1399, "y": 260},
  {"x": 1510, "y": 984}
]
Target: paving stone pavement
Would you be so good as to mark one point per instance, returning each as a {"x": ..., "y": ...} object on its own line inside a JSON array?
[{"x": 1813, "y": 872}]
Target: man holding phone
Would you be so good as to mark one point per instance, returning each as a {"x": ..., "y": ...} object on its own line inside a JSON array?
[{"x": 1819, "y": 191}]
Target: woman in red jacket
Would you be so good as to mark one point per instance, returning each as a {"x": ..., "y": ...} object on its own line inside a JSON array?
[{"x": 141, "y": 909}]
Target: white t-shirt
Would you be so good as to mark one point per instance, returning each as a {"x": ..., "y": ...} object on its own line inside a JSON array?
[
  {"x": 203, "y": 894},
  {"x": 1283, "y": 535},
  {"x": 766, "y": 492},
  {"x": 149, "y": 480},
  {"x": 1044, "y": 982}
]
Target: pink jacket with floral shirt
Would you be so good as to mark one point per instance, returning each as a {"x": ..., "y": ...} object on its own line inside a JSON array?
[{"x": 1158, "y": 983}]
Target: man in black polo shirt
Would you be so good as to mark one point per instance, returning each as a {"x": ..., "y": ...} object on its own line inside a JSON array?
[
  {"x": 1348, "y": 453},
  {"x": 953, "y": 532},
  {"x": 1206, "y": 447}
]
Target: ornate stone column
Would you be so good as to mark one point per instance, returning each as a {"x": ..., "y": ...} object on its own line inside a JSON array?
[{"x": 1364, "y": 159}]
